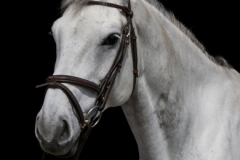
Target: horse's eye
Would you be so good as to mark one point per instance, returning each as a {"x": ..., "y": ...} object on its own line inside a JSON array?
[{"x": 111, "y": 40}]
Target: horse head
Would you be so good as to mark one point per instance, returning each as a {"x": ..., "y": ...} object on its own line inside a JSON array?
[{"x": 91, "y": 43}]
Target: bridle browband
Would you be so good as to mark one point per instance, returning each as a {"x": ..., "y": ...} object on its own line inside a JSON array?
[{"x": 103, "y": 90}]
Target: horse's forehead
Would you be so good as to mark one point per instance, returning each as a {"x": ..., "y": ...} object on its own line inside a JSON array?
[
  {"x": 90, "y": 17},
  {"x": 78, "y": 36}
]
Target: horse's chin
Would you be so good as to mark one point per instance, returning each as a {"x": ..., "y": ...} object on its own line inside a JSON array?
[
  {"x": 65, "y": 154},
  {"x": 69, "y": 154}
]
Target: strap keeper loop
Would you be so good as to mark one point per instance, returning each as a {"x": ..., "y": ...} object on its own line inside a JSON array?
[
  {"x": 120, "y": 65},
  {"x": 135, "y": 71},
  {"x": 53, "y": 84},
  {"x": 133, "y": 37},
  {"x": 127, "y": 11}
]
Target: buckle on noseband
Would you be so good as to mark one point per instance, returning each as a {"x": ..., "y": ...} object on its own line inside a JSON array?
[{"x": 86, "y": 123}]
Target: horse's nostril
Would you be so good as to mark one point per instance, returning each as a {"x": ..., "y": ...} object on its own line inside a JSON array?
[{"x": 65, "y": 135}]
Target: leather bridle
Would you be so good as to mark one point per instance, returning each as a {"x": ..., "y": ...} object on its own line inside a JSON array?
[{"x": 103, "y": 90}]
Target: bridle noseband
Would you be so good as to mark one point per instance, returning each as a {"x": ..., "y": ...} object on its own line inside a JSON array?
[{"x": 103, "y": 90}]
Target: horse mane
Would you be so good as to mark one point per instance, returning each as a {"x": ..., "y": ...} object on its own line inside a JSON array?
[{"x": 169, "y": 15}]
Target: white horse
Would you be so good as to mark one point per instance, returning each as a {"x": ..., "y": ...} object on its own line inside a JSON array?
[{"x": 185, "y": 105}]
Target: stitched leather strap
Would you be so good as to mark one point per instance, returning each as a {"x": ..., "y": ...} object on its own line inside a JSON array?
[
  {"x": 83, "y": 138},
  {"x": 71, "y": 97},
  {"x": 125, "y": 9}
]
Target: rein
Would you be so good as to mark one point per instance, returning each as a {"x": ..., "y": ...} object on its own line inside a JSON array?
[{"x": 103, "y": 89}]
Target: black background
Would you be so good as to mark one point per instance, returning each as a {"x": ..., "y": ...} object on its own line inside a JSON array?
[{"x": 33, "y": 58}]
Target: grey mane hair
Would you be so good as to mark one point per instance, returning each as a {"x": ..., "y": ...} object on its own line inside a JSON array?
[{"x": 217, "y": 60}]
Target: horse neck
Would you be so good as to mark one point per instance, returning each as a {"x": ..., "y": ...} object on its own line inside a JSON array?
[{"x": 174, "y": 73}]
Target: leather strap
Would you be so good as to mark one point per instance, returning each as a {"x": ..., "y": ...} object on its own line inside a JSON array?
[
  {"x": 72, "y": 80},
  {"x": 83, "y": 138},
  {"x": 55, "y": 84},
  {"x": 125, "y": 9}
]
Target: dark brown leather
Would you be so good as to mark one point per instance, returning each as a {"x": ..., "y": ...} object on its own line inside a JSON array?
[
  {"x": 83, "y": 138},
  {"x": 103, "y": 89},
  {"x": 74, "y": 80},
  {"x": 125, "y": 9},
  {"x": 55, "y": 84}
]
